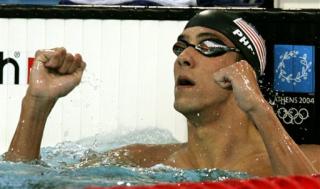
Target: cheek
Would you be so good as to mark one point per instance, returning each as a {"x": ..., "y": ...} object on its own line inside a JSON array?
[
  {"x": 214, "y": 64},
  {"x": 208, "y": 84},
  {"x": 230, "y": 59},
  {"x": 223, "y": 61},
  {"x": 175, "y": 64}
]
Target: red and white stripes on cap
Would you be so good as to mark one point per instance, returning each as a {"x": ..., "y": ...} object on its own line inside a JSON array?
[{"x": 256, "y": 39}]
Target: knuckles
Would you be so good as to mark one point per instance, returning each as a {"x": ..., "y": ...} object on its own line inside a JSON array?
[{"x": 60, "y": 60}]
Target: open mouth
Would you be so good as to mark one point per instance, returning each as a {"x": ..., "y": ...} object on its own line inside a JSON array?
[{"x": 184, "y": 82}]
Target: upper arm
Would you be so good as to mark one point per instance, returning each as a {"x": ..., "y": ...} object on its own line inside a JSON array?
[{"x": 312, "y": 151}]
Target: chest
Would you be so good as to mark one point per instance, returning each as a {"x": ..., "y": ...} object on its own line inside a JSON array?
[{"x": 254, "y": 164}]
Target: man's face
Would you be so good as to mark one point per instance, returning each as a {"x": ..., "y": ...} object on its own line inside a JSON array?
[{"x": 195, "y": 89}]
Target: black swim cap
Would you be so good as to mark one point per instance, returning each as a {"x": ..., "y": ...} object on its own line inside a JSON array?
[{"x": 242, "y": 34}]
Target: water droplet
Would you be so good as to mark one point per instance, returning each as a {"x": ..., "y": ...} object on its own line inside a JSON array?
[{"x": 120, "y": 183}]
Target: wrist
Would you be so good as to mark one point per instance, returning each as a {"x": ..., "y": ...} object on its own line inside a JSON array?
[
  {"x": 40, "y": 103},
  {"x": 261, "y": 107},
  {"x": 32, "y": 96},
  {"x": 262, "y": 110},
  {"x": 265, "y": 119}
]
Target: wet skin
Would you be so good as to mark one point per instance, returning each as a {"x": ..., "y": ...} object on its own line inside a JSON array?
[
  {"x": 230, "y": 125},
  {"x": 222, "y": 102}
]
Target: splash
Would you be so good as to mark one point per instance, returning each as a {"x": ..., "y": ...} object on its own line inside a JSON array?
[{"x": 57, "y": 168}]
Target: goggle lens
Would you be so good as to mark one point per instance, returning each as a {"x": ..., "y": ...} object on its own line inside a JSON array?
[{"x": 208, "y": 48}]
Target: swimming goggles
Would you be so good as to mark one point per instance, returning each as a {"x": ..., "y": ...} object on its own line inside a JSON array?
[{"x": 208, "y": 47}]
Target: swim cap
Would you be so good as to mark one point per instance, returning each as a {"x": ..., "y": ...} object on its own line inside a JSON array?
[{"x": 242, "y": 34}]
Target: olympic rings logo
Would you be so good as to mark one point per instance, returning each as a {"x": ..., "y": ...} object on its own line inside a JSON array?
[{"x": 293, "y": 116}]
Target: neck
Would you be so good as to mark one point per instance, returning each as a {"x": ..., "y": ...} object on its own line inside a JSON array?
[{"x": 218, "y": 134}]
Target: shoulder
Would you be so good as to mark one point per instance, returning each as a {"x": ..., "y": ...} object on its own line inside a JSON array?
[
  {"x": 143, "y": 155},
  {"x": 312, "y": 151}
]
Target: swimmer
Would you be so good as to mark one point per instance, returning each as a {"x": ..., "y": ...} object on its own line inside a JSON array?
[{"x": 230, "y": 125}]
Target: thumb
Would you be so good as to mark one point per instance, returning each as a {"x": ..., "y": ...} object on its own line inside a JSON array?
[
  {"x": 37, "y": 69},
  {"x": 222, "y": 79}
]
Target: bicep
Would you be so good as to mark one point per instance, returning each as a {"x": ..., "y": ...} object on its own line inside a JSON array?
[{"x": 312, "y": 151}]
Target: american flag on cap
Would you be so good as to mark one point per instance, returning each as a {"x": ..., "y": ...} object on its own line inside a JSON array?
[{"x": 256, "y": 40}]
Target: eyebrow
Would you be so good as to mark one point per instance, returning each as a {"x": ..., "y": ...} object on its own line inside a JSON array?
[
  {"x": 201, "y": 36},
  {"x": 207, "y": 35},
  {"x": 181, "y": 37}
]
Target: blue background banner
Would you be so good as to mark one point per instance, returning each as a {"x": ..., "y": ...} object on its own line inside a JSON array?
[{"x": 294, "y": 68}]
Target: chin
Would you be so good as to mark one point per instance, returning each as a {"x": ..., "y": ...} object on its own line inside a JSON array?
[{"x": 186, "y": 107}]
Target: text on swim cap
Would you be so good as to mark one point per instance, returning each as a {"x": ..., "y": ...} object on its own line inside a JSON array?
[{"x": 243, "y": 39}]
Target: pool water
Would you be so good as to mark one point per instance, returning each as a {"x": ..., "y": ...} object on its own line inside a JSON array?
[{"x": 61, "y": 165}]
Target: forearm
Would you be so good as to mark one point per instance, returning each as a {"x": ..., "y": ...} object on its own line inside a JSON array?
[
  {"x": 285, "y": 155},
  {"x": 25, "y": 145}
]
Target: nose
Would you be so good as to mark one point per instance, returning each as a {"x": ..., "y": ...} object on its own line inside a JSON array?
[{"x": 186, "y": 58}]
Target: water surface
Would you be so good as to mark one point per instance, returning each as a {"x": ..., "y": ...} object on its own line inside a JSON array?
[{"x": 60, "y": 165}]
